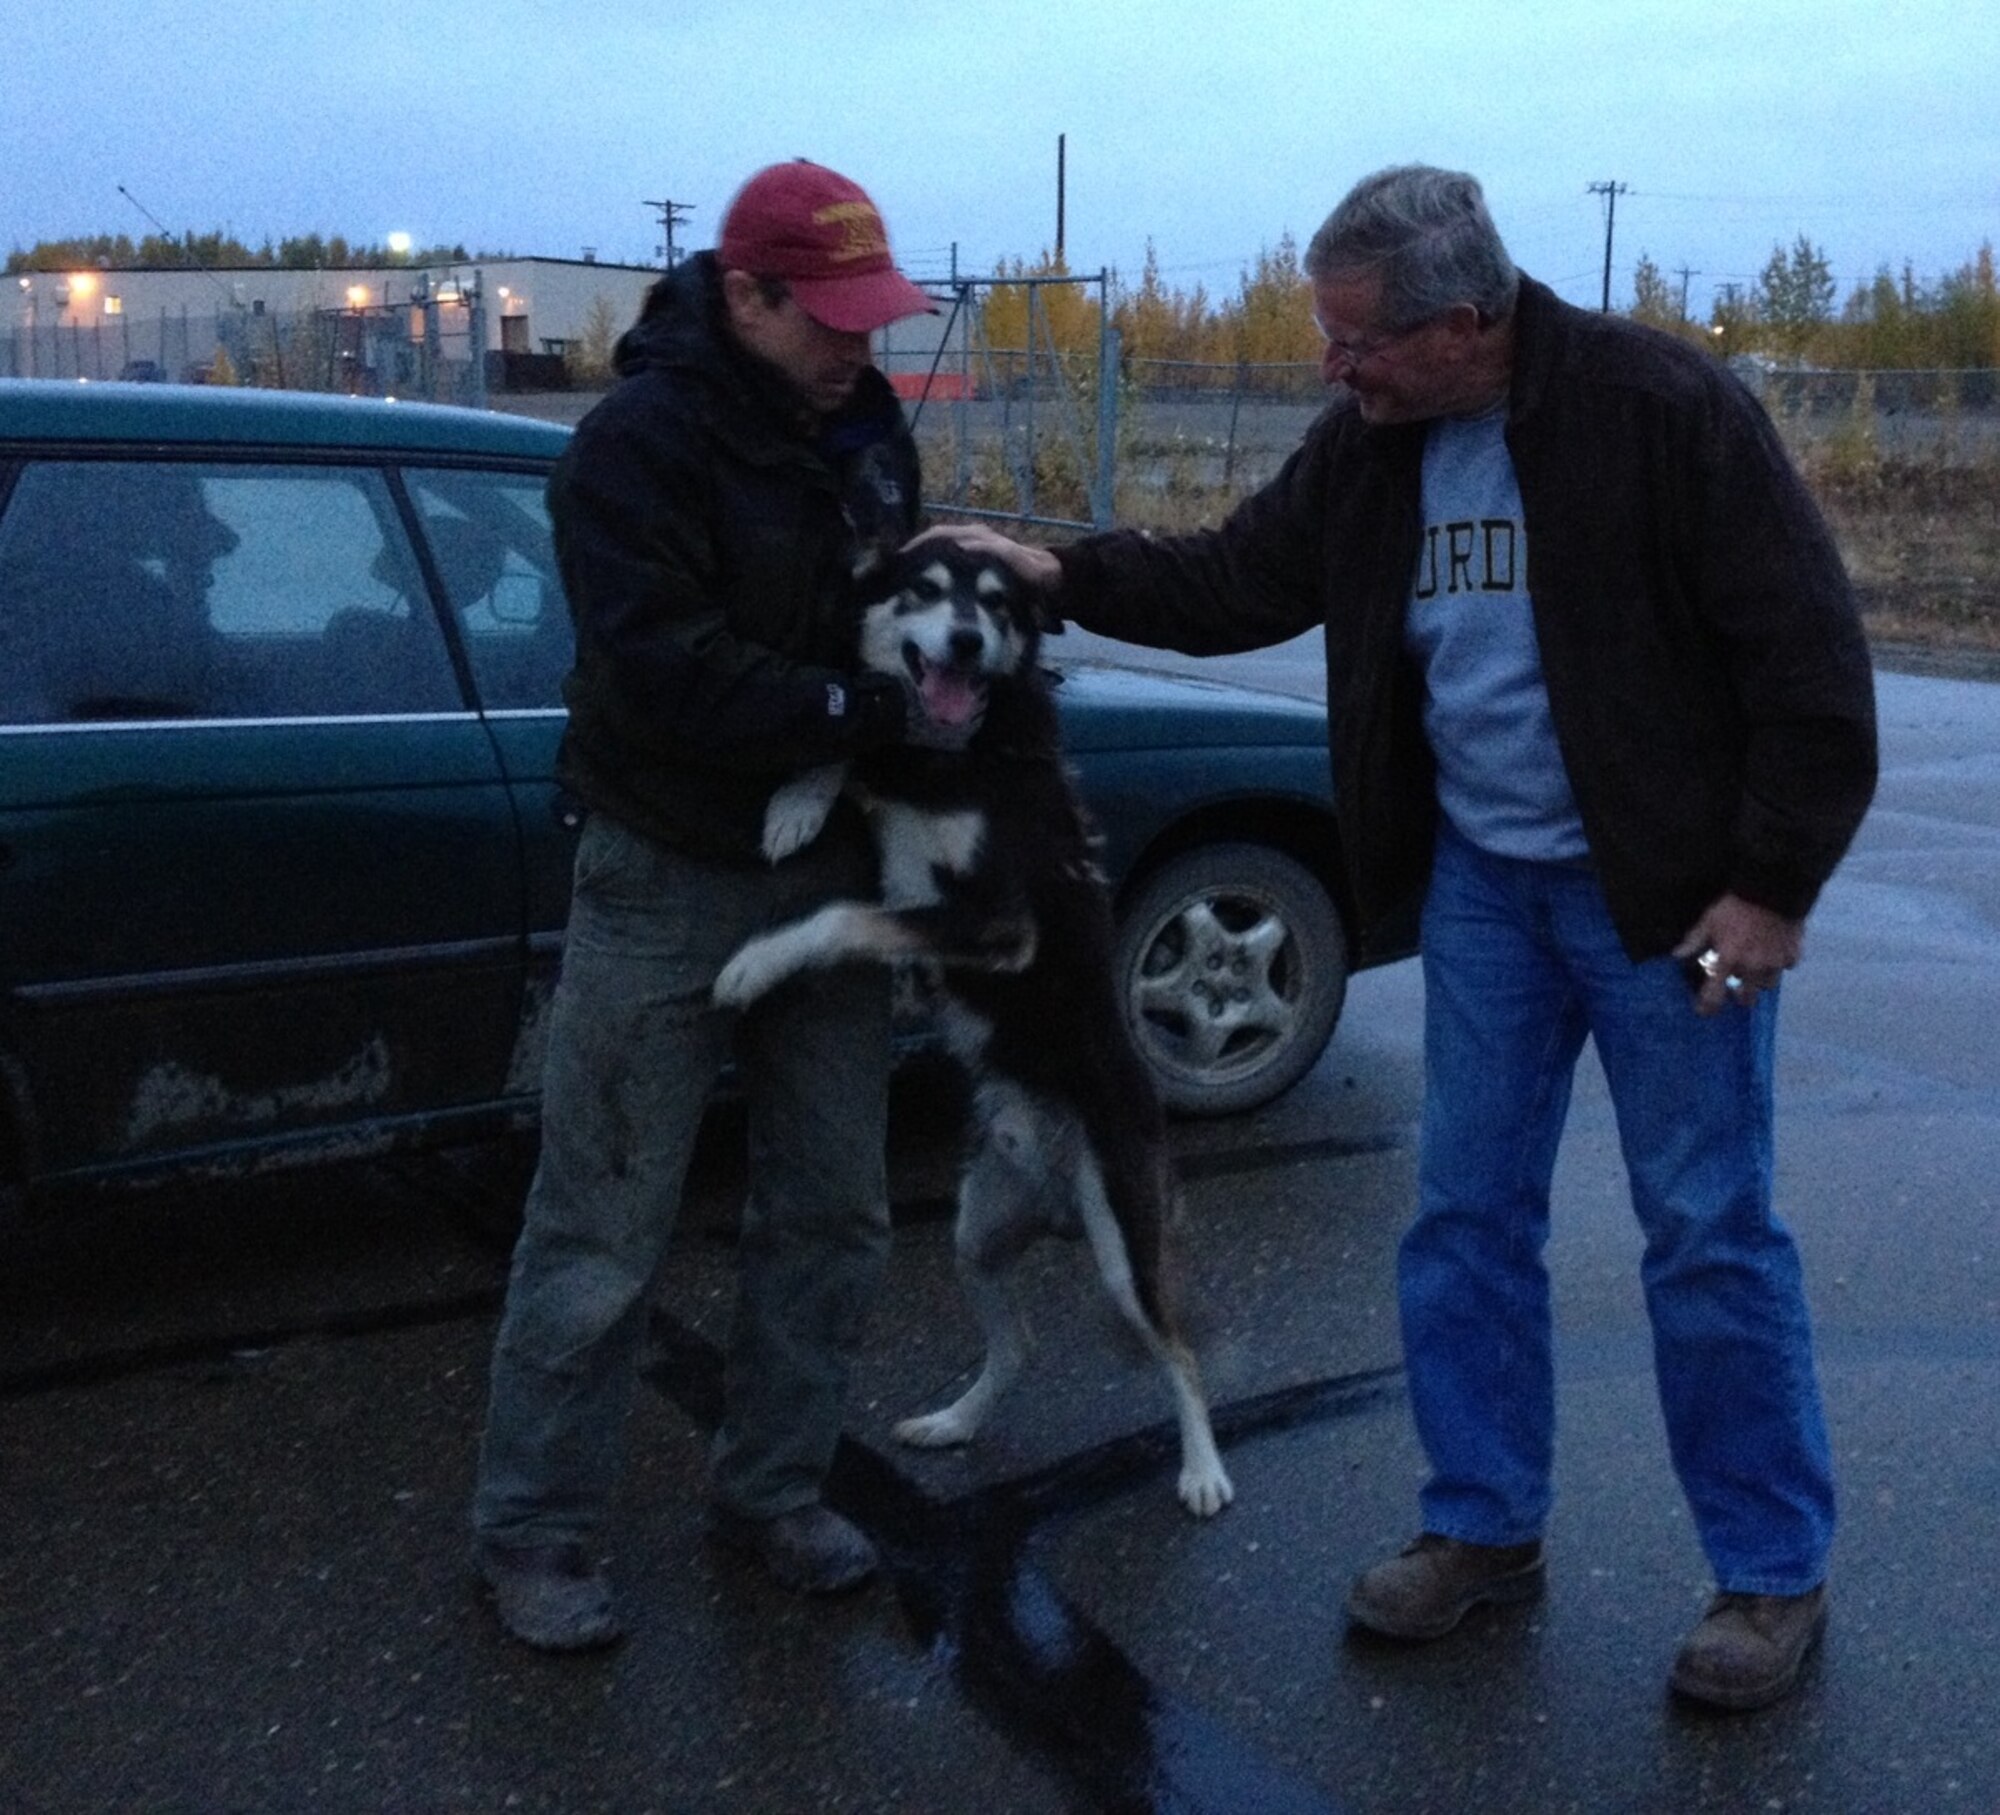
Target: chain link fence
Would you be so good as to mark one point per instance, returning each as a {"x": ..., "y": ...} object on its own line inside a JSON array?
[
  {"x": 422, "y": 351},
  {"x": 1028, "y": 433},
  {"x": 1947, "y": 416}
]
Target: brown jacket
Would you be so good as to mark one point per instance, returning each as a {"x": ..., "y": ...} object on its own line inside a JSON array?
[{"x": 1707, "y": 674}]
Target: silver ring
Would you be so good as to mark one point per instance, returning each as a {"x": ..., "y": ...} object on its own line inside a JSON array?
[{"x": 1710, "y": 966}]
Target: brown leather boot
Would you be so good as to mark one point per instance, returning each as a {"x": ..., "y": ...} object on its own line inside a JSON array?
[
  {"x": 1748, "y": 1648},
  {"x": 1436, "y": 1582}
]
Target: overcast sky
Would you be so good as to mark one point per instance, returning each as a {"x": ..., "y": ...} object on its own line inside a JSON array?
[{"x": 1870, "y": 126}]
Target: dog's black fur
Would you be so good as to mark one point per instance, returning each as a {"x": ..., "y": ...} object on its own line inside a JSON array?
[{"x": 989, "y": 876}]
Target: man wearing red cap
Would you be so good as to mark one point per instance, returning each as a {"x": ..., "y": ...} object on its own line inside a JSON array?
[{"x": 709, "y": 515}]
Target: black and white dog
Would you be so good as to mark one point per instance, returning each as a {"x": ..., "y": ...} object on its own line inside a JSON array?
[{"x": 988, "y": 877}]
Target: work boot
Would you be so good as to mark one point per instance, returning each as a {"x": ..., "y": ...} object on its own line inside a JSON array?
[
  {"x": 810, "y": 1551},
  {"x": 1748, "y": 1648},
  {"x": 1436, "y": 1582},
  {"x": 550, "y": 1596}
]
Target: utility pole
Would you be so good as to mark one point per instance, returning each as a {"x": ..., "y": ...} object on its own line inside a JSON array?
[
  {"x": 1611, "y": 192},
  {"x": 672, "y": 214},
  {"x": 1685, "y": 275},
  {"x": 1062, "y": 149}
]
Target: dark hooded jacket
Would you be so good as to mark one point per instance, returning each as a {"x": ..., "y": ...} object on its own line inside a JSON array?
[
  {"x": 708, "y": 528},
  {"x": 1706, "y": 671}
]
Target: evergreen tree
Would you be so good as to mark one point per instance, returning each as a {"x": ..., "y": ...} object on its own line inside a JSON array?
[
  {"x": 1795, "y": 293},
  {"x": 1653, "y": 300}
]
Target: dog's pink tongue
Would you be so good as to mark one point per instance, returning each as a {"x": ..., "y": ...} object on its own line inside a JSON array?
[{"x": 949, "y": 698}]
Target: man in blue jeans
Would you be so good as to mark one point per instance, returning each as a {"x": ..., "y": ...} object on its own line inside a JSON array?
[
  {"x": 708, "y": 518},
  {"x": 1597, "y": 686}
]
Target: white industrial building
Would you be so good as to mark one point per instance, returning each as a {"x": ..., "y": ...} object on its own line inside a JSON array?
[
  {"x": 401, "y": 328},
  {"x": 97, "y": 323}
]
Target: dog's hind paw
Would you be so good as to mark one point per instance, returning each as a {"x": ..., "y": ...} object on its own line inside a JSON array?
[
  {"x": 1205, "y": 1489},
  {"x": 937, "y": 1430},
  {"x": 797, "y": 810}
]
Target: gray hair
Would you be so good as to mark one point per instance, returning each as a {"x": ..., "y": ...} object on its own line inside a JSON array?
[{"x": 1427, "y": 232}]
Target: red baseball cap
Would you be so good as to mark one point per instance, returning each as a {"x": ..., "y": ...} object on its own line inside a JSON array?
[{"x": 825, "y": 238}]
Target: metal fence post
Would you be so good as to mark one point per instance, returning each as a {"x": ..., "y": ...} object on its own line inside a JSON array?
[
  {"x": 433, "y": 342},
  {"x": 1024, "y": 475},
  {"x": 477, "y": 330},
  {"x": 961, "y": 313},
  {"x": 1235, "y": 408},
  {"x": 1103, "y": 496}
]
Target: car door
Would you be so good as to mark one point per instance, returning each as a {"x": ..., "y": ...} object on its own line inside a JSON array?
[
  {"x": 488, "y": 534},
  {"x": 259, "y": 881}
]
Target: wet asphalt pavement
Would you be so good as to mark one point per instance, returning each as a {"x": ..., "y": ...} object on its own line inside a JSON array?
[{"x": 237, "y": 1428}]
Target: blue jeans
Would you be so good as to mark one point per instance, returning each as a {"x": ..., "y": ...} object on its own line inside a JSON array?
[
  {"x": 1521, "y": 962},
  {"x": 635, "y": 1047}
]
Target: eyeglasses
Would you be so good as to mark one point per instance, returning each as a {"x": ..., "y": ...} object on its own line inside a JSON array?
[{"x": 1353, "y": 354}]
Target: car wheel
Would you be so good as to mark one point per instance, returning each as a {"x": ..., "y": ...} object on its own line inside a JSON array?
[{"x": 1232, "y": 965}]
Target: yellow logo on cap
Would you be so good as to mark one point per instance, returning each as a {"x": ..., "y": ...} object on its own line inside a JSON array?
[{"x": 860, "y": 228}]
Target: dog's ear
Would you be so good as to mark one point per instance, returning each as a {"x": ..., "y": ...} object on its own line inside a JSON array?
[
  {"x": 1033, "y": 607},
  {"x": 1034, "y": 604}
]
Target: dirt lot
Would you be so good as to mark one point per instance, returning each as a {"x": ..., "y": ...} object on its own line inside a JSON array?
[{"x": 1923, "y": 544}]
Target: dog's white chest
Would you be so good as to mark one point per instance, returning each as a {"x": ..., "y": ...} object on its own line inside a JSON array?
[{"x": 916, "y": 844}]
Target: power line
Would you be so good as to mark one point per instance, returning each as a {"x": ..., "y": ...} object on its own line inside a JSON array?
[{"x": 1867, "y": 204}]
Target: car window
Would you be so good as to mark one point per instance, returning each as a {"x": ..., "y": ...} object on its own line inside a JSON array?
[
  {"x": 489, "y": 535},
  {"x": 154, "y": 589}
]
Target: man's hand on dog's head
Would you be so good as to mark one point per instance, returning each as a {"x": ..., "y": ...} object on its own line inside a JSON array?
[{"x": 1037, "y": 566}]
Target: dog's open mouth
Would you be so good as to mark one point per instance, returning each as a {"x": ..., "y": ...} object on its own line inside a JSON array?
[{"x": 951, "y": 696}]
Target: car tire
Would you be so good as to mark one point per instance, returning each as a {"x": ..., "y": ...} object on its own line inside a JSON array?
[{"x": 1232, "y": 966}]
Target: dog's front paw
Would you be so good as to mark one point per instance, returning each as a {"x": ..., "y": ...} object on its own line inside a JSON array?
[
  {"x": 798, "y": 810},
  {"x": 751, "y": 973},
  {"x": 1205, "y": 1488}
]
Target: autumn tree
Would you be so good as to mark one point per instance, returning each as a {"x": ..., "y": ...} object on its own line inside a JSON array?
[
  {"x": 1732, "y": 319},
  {"x": 1968, "y": 310},
  {"x": 591, "y": 356},
  {"x": 1157, "y": 323},
  {"x": 1065, "y": 313},
  {"x": 1882, "y": 326},
  {"x": 1271, "y": 321}
]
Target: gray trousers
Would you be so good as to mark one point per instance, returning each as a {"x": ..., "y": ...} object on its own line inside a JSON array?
[{"x": 635, "y": 1047}]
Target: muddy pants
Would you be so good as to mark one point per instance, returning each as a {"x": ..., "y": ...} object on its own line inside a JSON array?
[{"x": 635, "y": 1047}]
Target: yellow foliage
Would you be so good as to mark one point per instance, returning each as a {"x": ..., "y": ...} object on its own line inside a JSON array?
[
  {"x": 1268, "y": 321},
  {"x": 589, "y": 357},
  {"x": 1066, "y": 313},
  {"x": 1271, "y": 321},
  {"x": 1156, "y": 323}
]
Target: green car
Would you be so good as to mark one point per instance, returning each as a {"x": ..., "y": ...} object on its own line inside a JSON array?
[{"x": 283, "y": 867}]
